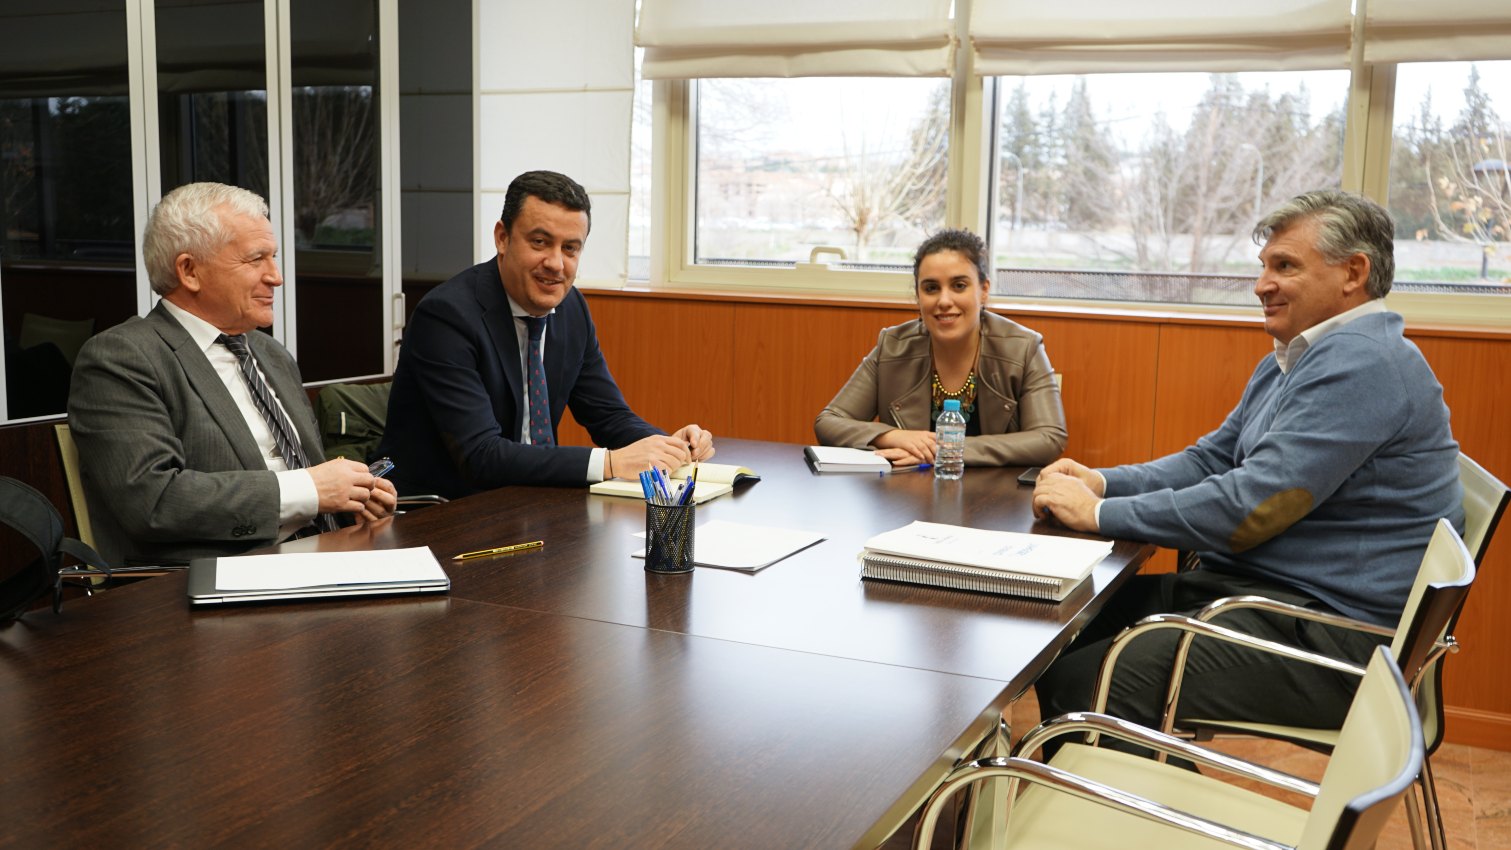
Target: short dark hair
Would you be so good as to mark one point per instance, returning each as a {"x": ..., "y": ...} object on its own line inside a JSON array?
[
  {"x": 548, "y": 186},
  {"x": 1347, "y": 224},
  {"x": 962, "y": 242}
]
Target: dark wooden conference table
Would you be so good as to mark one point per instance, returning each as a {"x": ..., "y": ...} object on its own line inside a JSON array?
[{"x": 561, "y": 697}]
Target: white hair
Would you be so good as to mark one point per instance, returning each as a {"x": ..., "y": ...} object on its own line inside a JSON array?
[{"x": 191, "y": 220}]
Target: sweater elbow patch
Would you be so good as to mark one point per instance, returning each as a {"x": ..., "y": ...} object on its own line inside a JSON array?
[{"x": 1274, "y": 515}]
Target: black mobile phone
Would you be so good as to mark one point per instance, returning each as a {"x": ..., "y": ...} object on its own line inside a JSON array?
[
  {"x": 380, "y": 467},
  {"x": 1030, "y": 476}
]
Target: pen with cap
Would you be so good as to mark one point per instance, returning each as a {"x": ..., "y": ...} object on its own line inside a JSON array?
[
  {"x": 501, "y": 550},
  {"x": 685, "y": 494}
]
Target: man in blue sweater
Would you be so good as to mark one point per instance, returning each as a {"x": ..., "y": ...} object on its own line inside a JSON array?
[{"x": 1321, "y": 488}]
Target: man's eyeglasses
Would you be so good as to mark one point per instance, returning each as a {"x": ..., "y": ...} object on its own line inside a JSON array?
[{"x": 93, "y": 577}]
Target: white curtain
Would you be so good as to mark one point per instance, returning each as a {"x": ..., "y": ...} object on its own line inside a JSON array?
[
  {"x": 686, "y": 39},
  {"x": 1440, "y": 30},
  {"x": 1098, "y": 36}
]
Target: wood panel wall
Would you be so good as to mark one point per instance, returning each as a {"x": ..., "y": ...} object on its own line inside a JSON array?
[{"x": 1135, "y": 387}]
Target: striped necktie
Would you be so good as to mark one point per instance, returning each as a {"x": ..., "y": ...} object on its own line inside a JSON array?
[
  {"x": 284, "y": 437},
  {"x": 535, "y": 385}
]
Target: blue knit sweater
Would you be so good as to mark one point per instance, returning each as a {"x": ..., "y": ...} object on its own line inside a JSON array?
[{"x": 1328, "y": 479}]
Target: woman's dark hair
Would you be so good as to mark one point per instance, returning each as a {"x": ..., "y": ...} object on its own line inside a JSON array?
[{"x": 962, "y": 242}]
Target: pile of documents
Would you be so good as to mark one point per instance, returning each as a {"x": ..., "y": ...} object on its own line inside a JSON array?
[{"x": 1040, "y": 566}]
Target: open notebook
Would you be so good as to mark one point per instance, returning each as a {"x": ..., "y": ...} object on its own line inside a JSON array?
[{"x": 714, "y": 480}]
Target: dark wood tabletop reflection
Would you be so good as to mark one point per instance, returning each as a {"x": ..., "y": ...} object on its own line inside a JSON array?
[
  {"x": 561, "y": 697},
  {"x": 132, "y": 720},
  {"x": 813, "y": 601}
]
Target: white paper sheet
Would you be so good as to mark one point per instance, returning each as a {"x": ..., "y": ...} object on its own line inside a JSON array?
[
  {"x": 289, "y": 571},
  {"x": 736, "y": 546}
]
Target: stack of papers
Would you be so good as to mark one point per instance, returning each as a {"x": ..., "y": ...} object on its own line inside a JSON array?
[
  {"x": 315, "y": 575},
  {"x": 1041, "y": 566},
  {"x": 835, "y": 459}
]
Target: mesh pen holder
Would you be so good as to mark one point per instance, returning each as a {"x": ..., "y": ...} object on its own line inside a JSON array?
[{"x": 669, "y": 538}]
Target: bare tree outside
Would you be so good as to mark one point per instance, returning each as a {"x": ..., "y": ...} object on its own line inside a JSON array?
[
  {"x": 876, "y": 185},
  {"x": 1450, "y": 187},
  {"x": 1162, "y": 175},
  {"x": 336, "y": 161},
  {"x": 788, "y": 165}
]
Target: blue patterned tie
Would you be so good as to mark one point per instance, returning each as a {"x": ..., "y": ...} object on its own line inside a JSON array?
[
  {"x": 262, "y": 397},
  {"x": 535, "y": 386}
]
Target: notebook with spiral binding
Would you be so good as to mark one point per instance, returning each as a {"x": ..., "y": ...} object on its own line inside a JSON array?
[{"x": 1038, "y": 566}]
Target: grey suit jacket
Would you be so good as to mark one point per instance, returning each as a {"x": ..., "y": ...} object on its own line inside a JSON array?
[{"x": 170, "y": 469}]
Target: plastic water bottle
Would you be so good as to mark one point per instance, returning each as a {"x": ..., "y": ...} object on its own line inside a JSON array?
[{"x": 949, "y": 433}]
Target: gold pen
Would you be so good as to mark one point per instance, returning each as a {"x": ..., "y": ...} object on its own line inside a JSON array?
[{"x": 518, "y": 547}]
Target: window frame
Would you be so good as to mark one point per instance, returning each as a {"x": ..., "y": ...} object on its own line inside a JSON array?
[{"x": 970, "y": 203}]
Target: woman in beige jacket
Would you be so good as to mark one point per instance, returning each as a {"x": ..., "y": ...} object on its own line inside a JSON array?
[{"x": 954, "y": 349}]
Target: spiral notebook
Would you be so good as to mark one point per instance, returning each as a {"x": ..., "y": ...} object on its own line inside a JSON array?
[{"x": 1039, "y": 566}]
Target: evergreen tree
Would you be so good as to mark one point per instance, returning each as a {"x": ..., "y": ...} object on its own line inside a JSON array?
[
  {"x": 1020, "y": 156},
  {"x": 1041, "y": 194},
  {"x": 1088, "y": 178},
  {"x": 1416, "y": 153}
]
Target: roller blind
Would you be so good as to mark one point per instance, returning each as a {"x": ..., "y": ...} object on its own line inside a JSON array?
[
  {"x": 685, "y": 39},
  {"x": 1442, "y": 30},
  {"x": 1094, "y": 36}
]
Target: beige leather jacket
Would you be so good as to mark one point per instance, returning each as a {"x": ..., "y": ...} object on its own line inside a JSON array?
[{"x": 1022, "y": 422}]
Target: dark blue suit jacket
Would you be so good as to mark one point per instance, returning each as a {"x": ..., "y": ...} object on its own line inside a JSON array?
[{"x": 455, "y": 413}]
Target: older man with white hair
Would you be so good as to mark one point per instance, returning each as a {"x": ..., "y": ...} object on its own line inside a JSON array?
[{"x": 195, "y": 436}]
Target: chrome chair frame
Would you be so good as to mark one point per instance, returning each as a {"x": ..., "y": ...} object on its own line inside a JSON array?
[
  {"x": 1421, "y": 640},
  {"x": 1362, "y": 809}
]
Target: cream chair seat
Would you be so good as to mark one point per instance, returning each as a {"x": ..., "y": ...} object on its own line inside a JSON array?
[{"x": 1090, "y": 797}]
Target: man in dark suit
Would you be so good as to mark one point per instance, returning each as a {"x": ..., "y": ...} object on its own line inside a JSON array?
[
  {"x": 195, "y": 436},
  {"x": 460, "y": 418}
]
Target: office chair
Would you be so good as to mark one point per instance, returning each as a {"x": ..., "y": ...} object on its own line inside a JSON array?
[
  {"x": 30, "y": 514},
  {"x": 1485, "y": 501},
  {"x": 70, "y": 458},
  {"x": 1092, "y": 797},
  {"x": 351, "y": 419},
  {"x": 1420, "y": 640}
]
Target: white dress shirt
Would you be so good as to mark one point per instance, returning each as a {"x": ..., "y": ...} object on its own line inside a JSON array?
[
  {"x": 522, "y": 336},
  {"x": 1286, "y": 355}
]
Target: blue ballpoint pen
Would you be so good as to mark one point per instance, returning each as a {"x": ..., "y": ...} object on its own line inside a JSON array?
[{"x": 917, "y": 468}]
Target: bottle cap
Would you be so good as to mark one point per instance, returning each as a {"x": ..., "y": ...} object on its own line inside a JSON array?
[{"x": 952, "y": 404}]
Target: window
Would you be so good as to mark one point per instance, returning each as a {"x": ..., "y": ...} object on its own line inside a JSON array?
[
  {"x": 66, "y": 260},
  {"x": 639, "y": 265},
  {"x": 1450, "y": 175},
  {"x": 784, "y": 166},
  {"x": 337, "y": 199},
  {"x": 213, "y": 122},
  {"x": 1146, "y": 187}
]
